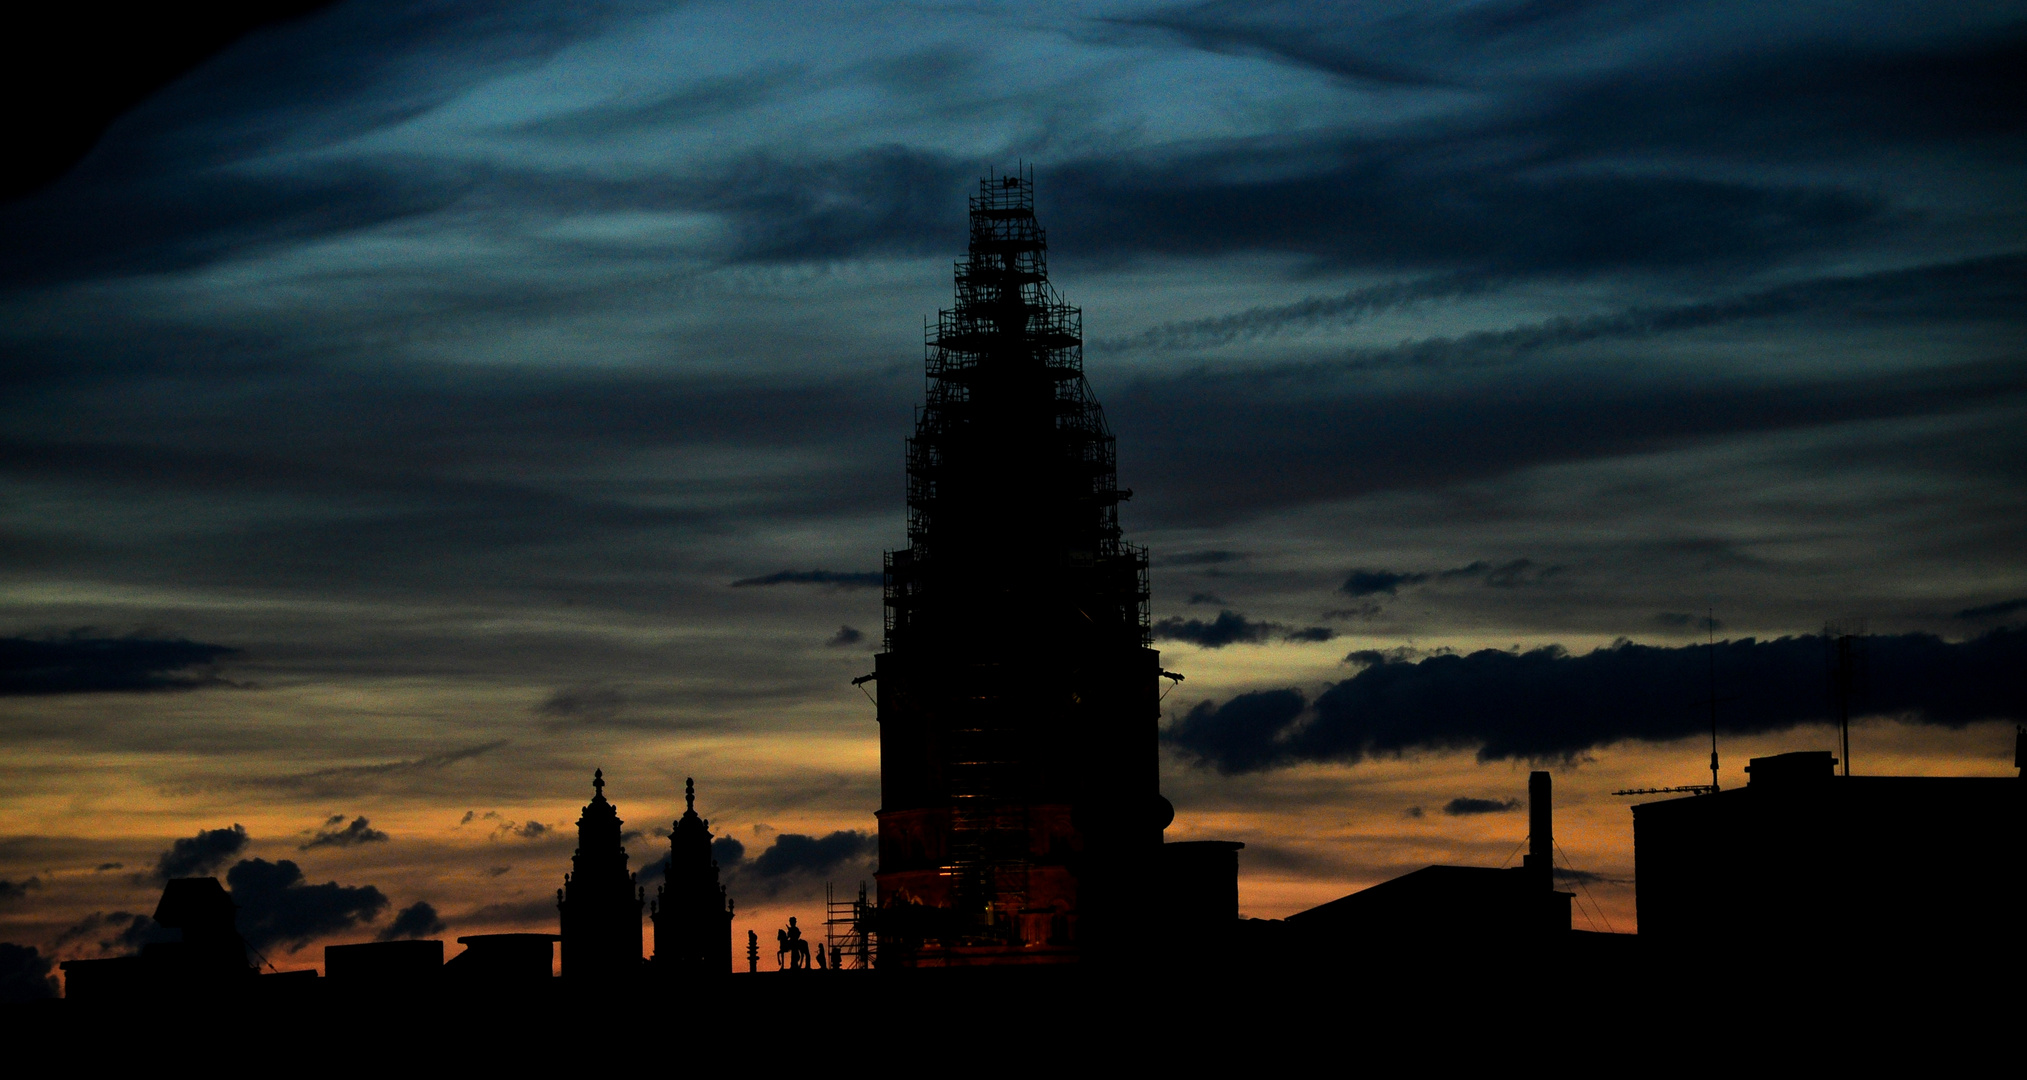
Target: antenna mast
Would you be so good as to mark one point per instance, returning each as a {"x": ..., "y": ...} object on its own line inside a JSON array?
[
  {"x": 1710, "y": 632},
  {"x": 1844, "y": 682}
]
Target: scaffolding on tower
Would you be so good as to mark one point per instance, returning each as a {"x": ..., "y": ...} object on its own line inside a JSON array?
[{"x": 848, "y": 931}]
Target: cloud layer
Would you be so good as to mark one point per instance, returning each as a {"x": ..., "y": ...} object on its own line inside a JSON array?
[
  {"x": 77, "y": 664},
  {"x": 1547, "y": 703}
]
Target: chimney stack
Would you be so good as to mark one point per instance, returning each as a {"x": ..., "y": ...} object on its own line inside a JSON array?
[{"x": 1541, "y": 829}]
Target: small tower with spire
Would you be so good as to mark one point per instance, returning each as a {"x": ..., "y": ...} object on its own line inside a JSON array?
[
  {"x": 599, "y": 901},
  {"x": 692, "y": 915}
]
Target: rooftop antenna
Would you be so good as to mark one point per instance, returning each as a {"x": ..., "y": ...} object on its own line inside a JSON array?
[
  {"x": 1710, "y": 637},
  {"x": 1846, "y": 662},
  {"x": 1710, "y": 640}
]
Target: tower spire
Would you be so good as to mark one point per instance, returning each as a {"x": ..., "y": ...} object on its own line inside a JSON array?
[
  {"x": 693, "y": 916},
  {"x": 600, "y": 903},
  {"x": 1018, "y": 702}
]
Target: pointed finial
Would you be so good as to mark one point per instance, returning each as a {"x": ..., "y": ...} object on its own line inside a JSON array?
[
  {"x": 598, "y": 781},
  {"x": 690, "y": 793}
]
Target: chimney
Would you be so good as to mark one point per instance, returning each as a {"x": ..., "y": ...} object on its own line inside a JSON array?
[{"x": 1540, "y": 830}]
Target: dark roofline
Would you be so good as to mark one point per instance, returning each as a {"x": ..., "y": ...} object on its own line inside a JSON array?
[{"x": 1417, "y": 879}]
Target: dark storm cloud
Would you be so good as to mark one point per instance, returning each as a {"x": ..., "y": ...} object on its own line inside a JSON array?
[
  {"x": 277, "y": 907},
  {"x": 358, "y": 832},
  {"x": 1547, "y": 703},
  {"x": 78, "y": 664},
  {"x": 1373, "y": 582},
  {"x": 17, "y": 890},
  {"x": 725, "y": 850},
  {"x": 1397, "y": 655},
  {"x": 794, "y": 857},
  {"x": 1368, "y": 582},
  {"x": 200, "y": 855},
  {"x": 117, "y": 933},
  {"x": 417, "y": 920},
  {"x": 583, "y": 703},
  {"x": 1232, "y": 628},
  {"x": 1994, "y": 611},
  {"x": 1229, "y": 628},
  {"x": 526, "y": 830},
  {"x": 1465, "y": 806},
  {"x": 25, "y": 973},
  {"x": 1238, "y": 736},
  {"x": 832, "y": 578},
  {"x": 1518, "y": 573},
  {"x": 846, "y": 636}
]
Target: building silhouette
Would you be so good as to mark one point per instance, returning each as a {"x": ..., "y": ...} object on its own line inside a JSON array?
[
  {"x": 202, "y": 953},
  {"x": 499, "y": 961},
  {"x": 1440, "y": 910},
  {"x": 600, "y": 904},
  {"x": 1021, "y": 814},
  {"x": 1804, "y": 862},
  {"x": 692, "y": 915},
  {"x": 384, "y": 966}
]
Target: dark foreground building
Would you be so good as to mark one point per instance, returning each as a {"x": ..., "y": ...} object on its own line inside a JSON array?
[
  {"x": 692, "y": 914},
  {"x": 204, "y": 954},
  {"x": 1824, "y": 868},
  {"x": 1021, "y": 814},
  {"x": 1444, "y": 910},
  {"x": 600, "y": 903}
]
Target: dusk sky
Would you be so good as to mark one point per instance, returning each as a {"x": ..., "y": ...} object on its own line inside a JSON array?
[{"x": 417, "y": 406}]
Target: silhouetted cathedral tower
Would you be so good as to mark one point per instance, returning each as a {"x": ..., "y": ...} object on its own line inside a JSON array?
[
  {"x": 1021, "y": 811},
  {"x": 692, "y": 916},
  {"x": 599, "y": 902}
]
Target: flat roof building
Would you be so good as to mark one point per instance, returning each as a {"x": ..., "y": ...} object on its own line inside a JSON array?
[{"x": 1802, "y": 859}]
